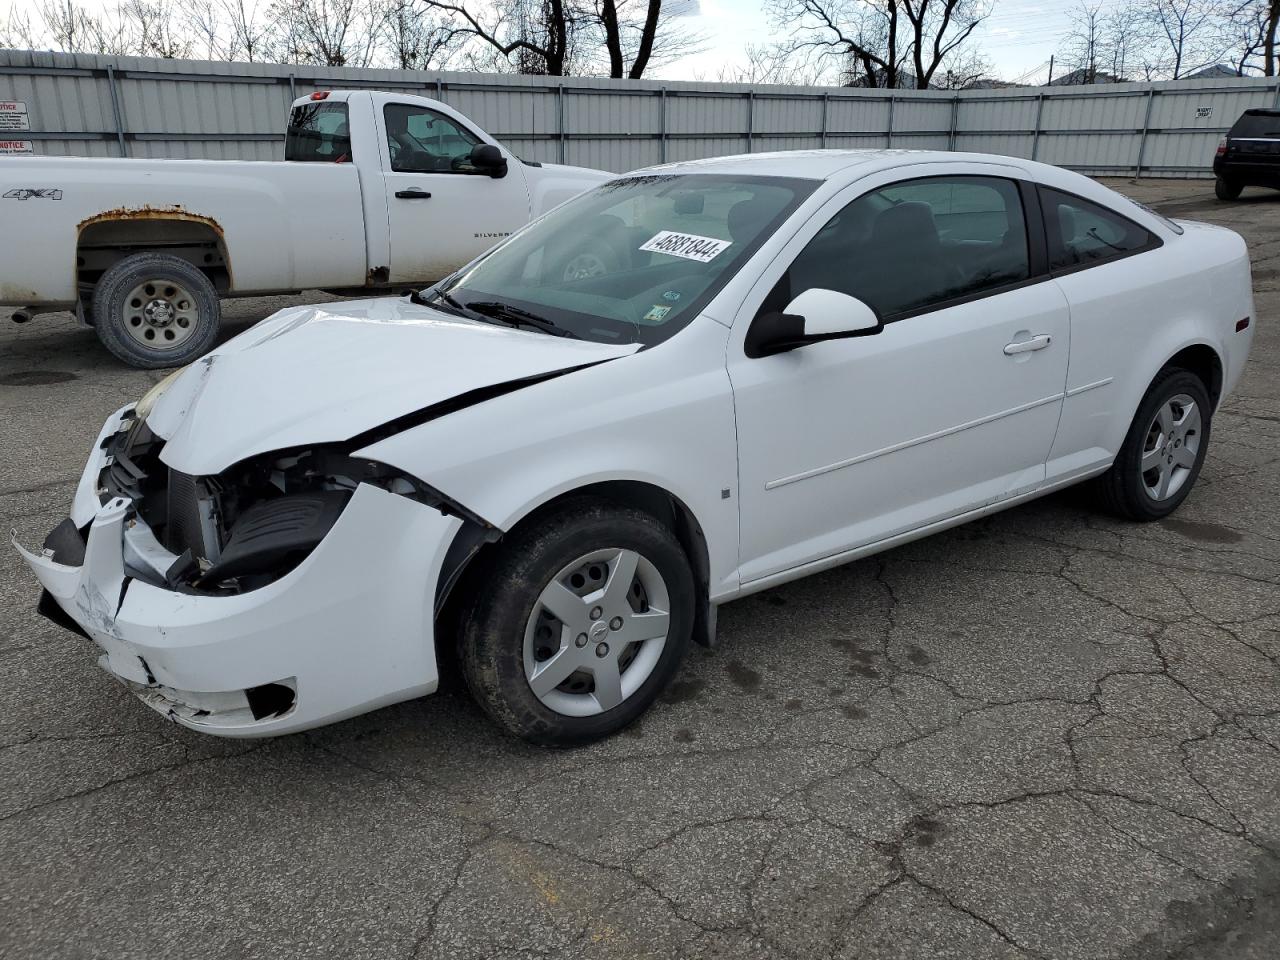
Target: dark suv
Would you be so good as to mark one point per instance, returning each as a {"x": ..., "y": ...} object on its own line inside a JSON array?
[{"x": 1249, "y": 155}]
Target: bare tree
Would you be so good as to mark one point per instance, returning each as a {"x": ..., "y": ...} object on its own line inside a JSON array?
[
  {"x": 410, "y": 38},
  {"x": 1251, "y": 27},
  {"x": 882, "y": 43},
  {"x": 770, "y": 63},
  {"x": 251, "y": 36},
  {"x": 1083, "y": 49},
  {"x": 335, "y": 33},
  {"x": 537, "y": 33},
  {"x": 1187, "y": 35},
  {"x": 153, "y": 30},
  {"x": 16, "y": 30},
  {"x": 963, "y": 72}
]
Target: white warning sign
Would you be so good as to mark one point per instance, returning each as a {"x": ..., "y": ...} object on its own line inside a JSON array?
[
  {"x": 13, "y": 115},
  {"x": 15, "y": 146}
]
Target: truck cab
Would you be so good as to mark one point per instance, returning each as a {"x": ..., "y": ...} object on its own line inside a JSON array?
[
  {"x": 438, "y": 191},
  {"x": 378, "y": 192}
]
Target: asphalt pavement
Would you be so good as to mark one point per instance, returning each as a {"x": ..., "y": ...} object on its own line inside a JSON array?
[{"x": 1046, "y": 734}]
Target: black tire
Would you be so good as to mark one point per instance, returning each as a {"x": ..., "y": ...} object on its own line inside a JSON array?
[
  {"x": 503, "y": 598},
  {"x": 113, "y": 314},
  {"x": 1226, "y": 189},
  {"x": 1121, "y": 489}
]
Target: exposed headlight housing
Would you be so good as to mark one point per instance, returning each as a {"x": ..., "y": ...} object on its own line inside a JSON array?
[{"x": 148, "y": 400}]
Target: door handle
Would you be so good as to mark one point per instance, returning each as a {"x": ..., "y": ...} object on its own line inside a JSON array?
[
  {"x": 1026, "y": 346},
  {"x": 413, "y": 193}
]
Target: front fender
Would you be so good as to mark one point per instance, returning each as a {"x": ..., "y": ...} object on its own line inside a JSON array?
[{"x": 663, "y": 417}]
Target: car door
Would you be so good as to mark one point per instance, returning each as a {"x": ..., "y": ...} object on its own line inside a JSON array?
[
  {"x": 441, "y": 212},
  {"x": 952, "y": 406}
]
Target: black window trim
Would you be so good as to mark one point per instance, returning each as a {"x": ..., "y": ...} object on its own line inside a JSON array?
[
  {"x": 1154, "y": 241},
  {"x": 1037, "y": 247},
  {"x": 434, "y": 112}
]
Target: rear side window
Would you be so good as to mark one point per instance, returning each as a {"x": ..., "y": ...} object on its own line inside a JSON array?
[
  {"x": 1257, "y": 125},
  {"x": 1082, "y": 233},
  {"x": 916, "y": 245},
  {"x": 318, "y": 133}
]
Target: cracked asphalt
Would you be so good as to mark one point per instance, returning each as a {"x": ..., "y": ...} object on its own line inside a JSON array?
[{"x": 1047, "y": 734}]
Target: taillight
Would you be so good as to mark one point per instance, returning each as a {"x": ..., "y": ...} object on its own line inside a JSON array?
[
  {"x": 324, "y": 95},
  {"x": 1222, "y": 146}
]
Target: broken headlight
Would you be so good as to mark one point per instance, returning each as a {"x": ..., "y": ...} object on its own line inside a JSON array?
[
  {"x": 148, "y": 400},
  {"x": 258, "y": 520}
]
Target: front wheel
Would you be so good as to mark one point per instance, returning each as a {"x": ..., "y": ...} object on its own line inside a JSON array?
[
  {"x": 579, "y": 624},
  {"x": 154, "y": 310},
  {"x": 1226, "y": 189},
  {"x": 1163, "y": 451}
]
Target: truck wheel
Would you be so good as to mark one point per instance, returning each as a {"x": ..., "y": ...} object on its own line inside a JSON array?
[
  {"x": 153, "y": 310},
  {"x": 1226, "y": 189},
  {"x": 589, "y": 260}
]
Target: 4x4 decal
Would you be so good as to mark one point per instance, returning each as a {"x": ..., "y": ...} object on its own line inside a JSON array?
[{"x": 34, "y": 193}]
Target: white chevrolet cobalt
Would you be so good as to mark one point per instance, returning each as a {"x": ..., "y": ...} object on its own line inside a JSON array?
[{"x": 560, "y": 461}]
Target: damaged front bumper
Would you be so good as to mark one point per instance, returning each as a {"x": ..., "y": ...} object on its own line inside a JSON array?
[{"x": 348, "y": 630}]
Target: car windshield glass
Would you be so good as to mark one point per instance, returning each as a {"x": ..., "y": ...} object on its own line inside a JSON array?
[
  {"x": 1266, "y": 125},
  {"x": 632, "y": 261}
]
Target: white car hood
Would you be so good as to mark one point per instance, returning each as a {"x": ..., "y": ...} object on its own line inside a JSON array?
[{"x": 330, "y": 372}]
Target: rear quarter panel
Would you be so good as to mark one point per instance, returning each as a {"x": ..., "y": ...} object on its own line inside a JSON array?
[
  {"x": 1129, "y": 317},
  {"x": 283, "y": 226}
]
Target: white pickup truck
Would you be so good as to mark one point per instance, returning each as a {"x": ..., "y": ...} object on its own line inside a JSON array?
[{"x": 377, "y": 191}]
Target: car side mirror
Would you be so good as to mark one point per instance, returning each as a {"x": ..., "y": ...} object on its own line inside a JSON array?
[
  {"x": 813, "y": 316},
  {"x": 488, "y": 160}
]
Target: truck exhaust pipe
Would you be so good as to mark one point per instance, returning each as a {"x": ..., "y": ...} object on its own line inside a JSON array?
[{"x": 21, "y": 316}]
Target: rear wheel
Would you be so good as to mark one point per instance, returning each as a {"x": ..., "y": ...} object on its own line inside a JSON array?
[
  {"x": 1226, "y": 189},
  {"x": 579, "y": 624},
  {"x": 153, "y": 310},
  {"x": 1163, "y": 451}
]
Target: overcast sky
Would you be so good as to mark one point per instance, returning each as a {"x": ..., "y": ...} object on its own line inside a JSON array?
[{"x": 1018, "y": 38}]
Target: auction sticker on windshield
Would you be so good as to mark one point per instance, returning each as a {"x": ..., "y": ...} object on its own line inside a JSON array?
[{"x": 690, "y": 246}]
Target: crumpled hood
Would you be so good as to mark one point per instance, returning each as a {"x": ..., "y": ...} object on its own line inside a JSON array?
[{"x": 326, "y": 373}]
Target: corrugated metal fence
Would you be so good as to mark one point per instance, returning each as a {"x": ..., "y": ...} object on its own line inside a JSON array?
[{"x": 133, "y": 106}]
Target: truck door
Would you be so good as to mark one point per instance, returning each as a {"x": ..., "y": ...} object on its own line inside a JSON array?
[{"x": 441, "y": 212}]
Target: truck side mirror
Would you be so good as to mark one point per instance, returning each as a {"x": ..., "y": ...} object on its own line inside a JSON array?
[{"x": 488, "y": 160}]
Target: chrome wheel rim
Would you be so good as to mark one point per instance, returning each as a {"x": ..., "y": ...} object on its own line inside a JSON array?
[
  {"x": 583, "y": 266},
  {"x": 160, "y": 314},
  {"x": 596, "y": 632},
  {"x": 1171, "y": 447}
]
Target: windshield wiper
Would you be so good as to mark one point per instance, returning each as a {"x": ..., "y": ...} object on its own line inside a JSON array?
[
  {"x": 516, "y": 317},
  {"x": 438, "y": 297}
]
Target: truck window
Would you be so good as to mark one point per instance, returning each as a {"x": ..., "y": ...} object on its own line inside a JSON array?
[
  {"x": 423, "y": 141},
  {"x": 318, "y": 133}
]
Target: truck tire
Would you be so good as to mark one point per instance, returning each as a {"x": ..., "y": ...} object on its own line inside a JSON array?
[
  {"x": 153, "y": 310},
  {"x": 1226, "y": 189}
]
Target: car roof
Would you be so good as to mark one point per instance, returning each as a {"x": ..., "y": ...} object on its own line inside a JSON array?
[{"x": 824, "y": 164}]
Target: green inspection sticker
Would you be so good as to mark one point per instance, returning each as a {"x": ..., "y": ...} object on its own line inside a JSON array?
[{"x": 656, "y": 313}]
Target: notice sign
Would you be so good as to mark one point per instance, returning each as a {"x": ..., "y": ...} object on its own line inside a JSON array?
[
  {"x": 15, "y": 146},
  {"x": 690, "y": 246},
  {"x": 1204, "y": 113},
  {"x": 13, "y": 115}
]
